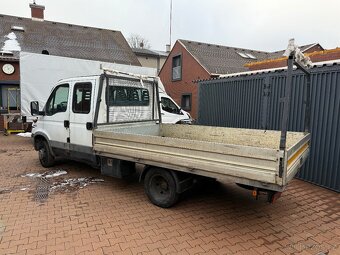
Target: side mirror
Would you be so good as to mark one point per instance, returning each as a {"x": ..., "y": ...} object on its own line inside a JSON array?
[{"x": 34, "y": 108}]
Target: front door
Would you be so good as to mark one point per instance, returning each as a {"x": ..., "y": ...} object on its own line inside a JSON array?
[{"x": 56, "y": 120}]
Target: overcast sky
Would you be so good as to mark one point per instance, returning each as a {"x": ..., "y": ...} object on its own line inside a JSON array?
[{"x": 255, "y": 24}]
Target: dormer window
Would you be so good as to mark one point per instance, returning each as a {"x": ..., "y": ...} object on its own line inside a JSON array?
[
  {"x": 251, "y": 56},
  {"x": 246, "y": 55},
  {"x": 18, "y": 28}
]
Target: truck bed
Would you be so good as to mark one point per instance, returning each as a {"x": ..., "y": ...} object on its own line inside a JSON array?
[{"x": 245, "y": 156}]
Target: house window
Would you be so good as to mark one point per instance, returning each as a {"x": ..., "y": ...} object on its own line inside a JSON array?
[
  {"x": 186, "y": 102},
  {"x": 9, "y": 97},
  {"x": 177, "y": 68},
  {"x": 82, "y": 98}
]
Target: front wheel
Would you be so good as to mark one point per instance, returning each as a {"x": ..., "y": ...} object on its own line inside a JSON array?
[
  {"x": 160, "y": 187},
  {"x": 45, "y": 156}
]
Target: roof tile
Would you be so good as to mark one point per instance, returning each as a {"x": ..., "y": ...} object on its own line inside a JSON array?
[
  {"x": 68, "y": 40},
  {"x": 218, "y": 59}
]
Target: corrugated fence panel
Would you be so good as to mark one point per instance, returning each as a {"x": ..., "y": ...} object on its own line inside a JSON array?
[
  {"x": 233, "y": 106},
  {"x": 254, "y": 102}
]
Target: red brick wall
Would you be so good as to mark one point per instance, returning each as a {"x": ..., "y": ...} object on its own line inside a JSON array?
[
  {"x": 5, "y": 77},
  {"x": 13, "y": 77},
  {"x": 191, "y": 70},
  {"x": 37, "y": 13}
]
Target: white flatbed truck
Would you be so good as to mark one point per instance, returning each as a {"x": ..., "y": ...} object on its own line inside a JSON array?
[{"x": 113, "y": 121}]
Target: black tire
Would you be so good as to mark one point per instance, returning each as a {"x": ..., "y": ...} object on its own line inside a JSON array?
[
  {"x": 45, "y": 156},
  {"x": 160, "y": 187}
]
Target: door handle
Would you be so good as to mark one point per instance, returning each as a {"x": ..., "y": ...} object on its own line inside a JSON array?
[
  {"x": 66, "y": 123},
  {"x": 89, "y": 125}
]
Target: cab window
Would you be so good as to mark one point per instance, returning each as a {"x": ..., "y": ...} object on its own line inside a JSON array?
[
  {"x": 169, "y": 106},
  {"x": 58, "y": 100},
  {"x": 82, "y": 98},
  {"x": 128, "y": 96}
]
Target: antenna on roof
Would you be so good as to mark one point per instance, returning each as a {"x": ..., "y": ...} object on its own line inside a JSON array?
[{"x": 170, "y": 20}]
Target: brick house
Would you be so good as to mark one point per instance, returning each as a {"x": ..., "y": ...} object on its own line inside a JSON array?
[
  {"x": 37, "y": 35},
  {"x": 189, "y": 61}
]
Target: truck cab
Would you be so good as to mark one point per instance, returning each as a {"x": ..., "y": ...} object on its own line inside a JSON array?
[{"x": 66, "y": 121}]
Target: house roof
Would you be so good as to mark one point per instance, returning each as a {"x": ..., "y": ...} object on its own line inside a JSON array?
[
  {"x": 329, "y": 63},
  {"x": 148, "y": 52},
  {"x": 315, "y": 57},
  {"x": 65, "y": 40},
  {"x": 218, "y": 59},
  {"x": 303, "y": 48}
]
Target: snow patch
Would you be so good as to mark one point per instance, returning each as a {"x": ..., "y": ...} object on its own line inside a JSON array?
[
  {"x": 11, "y": 44},
  {"x": 49, "y": 174},
  {"x": 74, "y": 183},
  {"x": 28, "y": 134},
  {"x": 56, "y": 174}
]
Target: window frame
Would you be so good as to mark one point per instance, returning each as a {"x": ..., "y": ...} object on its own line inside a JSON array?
[
  {"x": 53, "y": 96},
  {"x": 181, "y": 67},
  {"x": 128, "y": 103},
  {"x": 190, "y": 101},
  {"x": 74, "y": 97}
]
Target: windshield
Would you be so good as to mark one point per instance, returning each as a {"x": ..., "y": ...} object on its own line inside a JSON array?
[{"x": 169, "y": 106}]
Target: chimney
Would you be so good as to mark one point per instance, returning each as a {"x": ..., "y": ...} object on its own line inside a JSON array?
[
  {"x": 168, "y": 48},
  {"x": 37, "y": 11}
]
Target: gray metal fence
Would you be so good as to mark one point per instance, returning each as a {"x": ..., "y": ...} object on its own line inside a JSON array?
[{"x": 253, "y": 101}]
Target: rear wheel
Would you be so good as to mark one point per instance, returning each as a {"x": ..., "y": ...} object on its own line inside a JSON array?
[
  {"x": 45, "y": 156},
  {"x": 160, "y": 187}
]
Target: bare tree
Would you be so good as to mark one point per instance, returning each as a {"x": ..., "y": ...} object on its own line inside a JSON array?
[{"x": 137, "y": 41}]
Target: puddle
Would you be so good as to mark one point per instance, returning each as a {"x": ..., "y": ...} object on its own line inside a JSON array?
[{"x": 52, "y": 182}]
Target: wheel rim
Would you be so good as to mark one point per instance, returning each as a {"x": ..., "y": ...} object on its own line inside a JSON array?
[
  {"x": 42, "y": 155},
  {"x": 159, "y": 188}
]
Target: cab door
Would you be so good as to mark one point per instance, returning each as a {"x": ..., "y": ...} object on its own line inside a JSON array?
[
  {"x": 57, "y": 117},
  {"x": 81, "y": 115}
]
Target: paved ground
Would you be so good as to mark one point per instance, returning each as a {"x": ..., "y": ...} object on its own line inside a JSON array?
[{"x": 115, "y": 217}]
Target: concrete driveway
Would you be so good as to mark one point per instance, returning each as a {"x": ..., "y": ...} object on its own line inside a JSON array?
[{"x": 72, "y": 209}]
